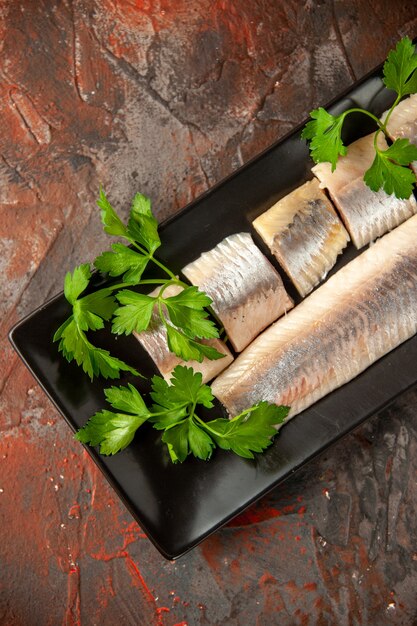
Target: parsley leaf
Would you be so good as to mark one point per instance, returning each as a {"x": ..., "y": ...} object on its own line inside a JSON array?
[
  {"x": 189, "y": 349},
  {"x": 176, "y": 439},
  {"x": 250, "y": 431},
  {"x": 91, "y": 310},
  {"x": 142, "y": 229},
  {"x": 167, "y": 410},
  {"x": 76, "y": 282},
  {"x": 185, "y": 433},
  {"x": 191, "y": 298},
  {"x": 186, "y": 388},
  {"x": 88, "y": 313},
  {"x": 135, "y": 314},
  {"x": 122, "y": 260},
  {"x": 112, "y": 223},
  {"x": 100, "y": 302},
  {"x": 188, "y": 438},
  {"x": 142, "y": 226},
  {"x": 174, "y": 412},
  {"x": 324, "y": 132},
  {"x": 400, "y": 68},
  {"x": 183, "y": 316},
  {"x": 186, "y": 311},
  {"x": 126, "y": 399},
  {"x": 389, "y": 170},
  {"x": 115, "y": 431},
  {"x": 74, "y": 345}
]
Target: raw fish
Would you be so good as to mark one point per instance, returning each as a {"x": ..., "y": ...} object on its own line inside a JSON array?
[
  {"x": 247, "y": 292},
  {"x": 367, "y": 214},
  {"x": 304, "y": 233},
  {"x": 361, "y": 313}
]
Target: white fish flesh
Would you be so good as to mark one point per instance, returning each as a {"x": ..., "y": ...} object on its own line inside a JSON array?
[
  {"x": 304, "y": 233},
  {"x": 366, "y": 214},
  {"x": 155, "y": 342},
  {"x": 361, "y": 313},
  {"x": 402, "y": 123},
  {"x": 247, "y": 292}
]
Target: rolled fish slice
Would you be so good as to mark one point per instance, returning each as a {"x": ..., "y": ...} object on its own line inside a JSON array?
[
  {"x": 247, "y": 292},
  {"x": 402, "y": 123},
  {"x": 366, "y": 214},
  {"x": 361, "y": 313},
  {"x": 304, "y": 233},
  {"x": 155, "y": 342}
]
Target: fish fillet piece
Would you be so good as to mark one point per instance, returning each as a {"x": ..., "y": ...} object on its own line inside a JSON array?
[
  {"x": 304, "y": 233},
  {"x": 247, "y": 292},
  {"x": 366, "y": 214},
  {"x": 361, "y": 313},
  {"x": 155, "y": 342},
  {"x": 403, "y": 122}
]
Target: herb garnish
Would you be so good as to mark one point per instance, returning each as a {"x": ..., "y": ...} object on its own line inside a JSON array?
[
  {"x": 389, "y": 169},
  {"x": 185, "y": 315},
  {"x": 174, "y": 412}
]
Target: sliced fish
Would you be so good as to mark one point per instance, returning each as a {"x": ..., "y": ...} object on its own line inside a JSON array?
[
  {"x": 155, "y": 342},
  {"x": 361, "y": 313},
  {"x": 247, "y": 292},
  {"x": 366, "y": 214},
  {"x": 304, "y": 233},
  {"x": 402, "y": 123}
]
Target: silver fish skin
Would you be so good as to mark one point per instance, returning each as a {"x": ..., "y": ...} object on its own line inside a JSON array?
[
  {"x": 304, "y": 233},
  {"x": 155, "y": 342},
  {"x": 247, "y": 292},
  {"x": 361, "y": 313},
  {"x": 366, "y": 214},
  {"x": 402, "y": 123}
]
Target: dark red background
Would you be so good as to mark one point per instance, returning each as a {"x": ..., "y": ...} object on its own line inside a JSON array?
[{"x": 167, "y": 98}]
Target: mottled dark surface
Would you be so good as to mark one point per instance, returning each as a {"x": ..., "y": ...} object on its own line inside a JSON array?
[{"x": 168, "y": 98}]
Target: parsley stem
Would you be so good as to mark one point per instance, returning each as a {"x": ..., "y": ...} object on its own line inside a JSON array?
[
  {"x": 141, "y": 250},
  {"x": 152, "y": 258},
  {"x": 162, "y": 266},
  {"x": 384, "y": 126},
  {"x": 181, "y": 283},
  {"x": 205, "y": 425},
  {"x": 175, "y": 423},
  {"x": 150, "y": 281},
  {"x": 160, "y": 309},
  {"x": 84, "y": 338},
  {"x": 192, "y": 412},
  {"x": 376, "y": 141},
  {"x": 215, "y": 432},
  {"x": 368, "y": 113},
  {"x": 245, "y": 412},
  {"x": 165, "y": 411}
]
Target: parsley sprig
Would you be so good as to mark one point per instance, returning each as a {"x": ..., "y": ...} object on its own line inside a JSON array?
[
  {"x": 389, "y": 169},
  {"x": 88, "y": 314},
  {"x": 174, "y": 411},
  {"x": 185, "y": 316}
]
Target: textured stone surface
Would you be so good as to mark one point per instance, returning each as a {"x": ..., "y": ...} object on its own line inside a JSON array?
[{"x": 168, "y": 98}]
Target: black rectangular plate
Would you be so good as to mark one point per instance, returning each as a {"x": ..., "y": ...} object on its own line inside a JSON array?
[{"x": 180, "y": 505}]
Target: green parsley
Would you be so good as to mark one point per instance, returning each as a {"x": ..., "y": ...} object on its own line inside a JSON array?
[
  {"x": 88, "y": 313},
  {"x": 185, "y": 316},
  {"x": 114, "y": 431},
  {"x": 174, "y": 412},
  {"x": 389, "y": 170}
]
